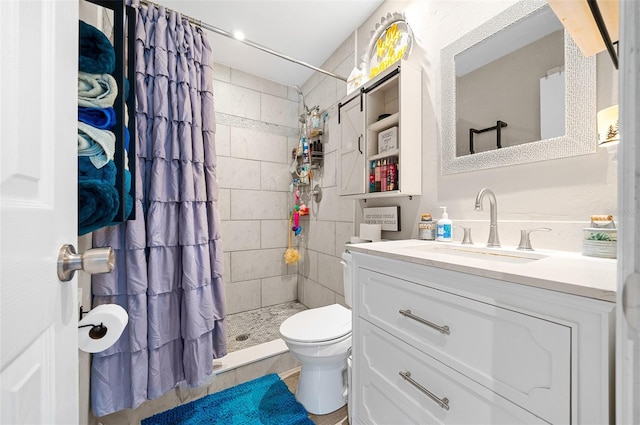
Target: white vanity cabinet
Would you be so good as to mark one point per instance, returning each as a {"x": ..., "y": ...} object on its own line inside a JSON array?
[
  {"x": 433, "y": 345},
  {"x": 396, "y": 95}
]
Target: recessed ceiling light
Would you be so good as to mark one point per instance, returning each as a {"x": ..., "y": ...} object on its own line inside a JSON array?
[{"x": 238, "y": 35}]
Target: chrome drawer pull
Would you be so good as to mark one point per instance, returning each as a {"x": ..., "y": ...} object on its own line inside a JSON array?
[
  {"x": 442, "y": 329},
  {"x": 442, "y": 402}
]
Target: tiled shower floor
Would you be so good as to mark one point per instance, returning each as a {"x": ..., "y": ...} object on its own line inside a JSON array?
[{"x": 261, "y": 325}]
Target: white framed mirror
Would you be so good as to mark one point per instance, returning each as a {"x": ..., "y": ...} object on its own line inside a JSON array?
[{"x": 525, "y": 105}]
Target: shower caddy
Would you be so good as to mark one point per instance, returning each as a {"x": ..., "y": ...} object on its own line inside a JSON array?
[{"x": 306, "y": 157}]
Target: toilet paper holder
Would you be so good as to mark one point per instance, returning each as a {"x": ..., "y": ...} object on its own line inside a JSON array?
[
  {"x": 96, "y": 331},
  {"x": 106, "y": 324}
]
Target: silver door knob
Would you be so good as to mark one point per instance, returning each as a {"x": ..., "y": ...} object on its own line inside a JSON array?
[{"x": 95, "y": 260}]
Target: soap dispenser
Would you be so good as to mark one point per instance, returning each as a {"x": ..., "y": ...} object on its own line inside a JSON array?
[{"x": 444, "y": 227}]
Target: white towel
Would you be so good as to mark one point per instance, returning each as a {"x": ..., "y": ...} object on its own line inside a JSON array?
[
  {"x": 88, "y": 136},
  {"x": 96, "y": 90}
]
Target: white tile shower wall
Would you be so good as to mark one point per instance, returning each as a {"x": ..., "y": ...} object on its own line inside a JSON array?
[
  {"x": 308, "y": 267},
  {"x": 237, "y": 101},
  {"x": 279, "y": 111},
  {"x": 317, "y": 295},
  {"x": 258, "y": 264},
  {"x": 328, "y": 172},
  {"x": 240, "y": 235},
  {"x": 274, "y": 176},
  {"x": 275, "y": 289},
  {"x": 224, "y": 204},
  {"x": 330, "y": 273},
  {"x": 274, "y": 233},
  {"x": 243, "y": 79},
  {"x": 256, "y": 123},
  {"x": 330, "y": 223},
  {"x": 257, "y": 204},
  {"x": 344, "y": 231},
  {"x": 254, "y": 181},
  {"x": 236, "y": 173},
  {"x": 243, "y": 296},
  {"x": 259, "y": 145}
]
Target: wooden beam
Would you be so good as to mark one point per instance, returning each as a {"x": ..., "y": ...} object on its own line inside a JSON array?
[{"x": 577, "y": 19}]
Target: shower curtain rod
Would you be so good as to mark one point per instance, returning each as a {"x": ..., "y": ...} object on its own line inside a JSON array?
[{"x": 247, "y": 42}]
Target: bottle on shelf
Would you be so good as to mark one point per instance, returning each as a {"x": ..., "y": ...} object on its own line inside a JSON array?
[
  {"x": 305, "y": 151},
  {"x": 315, "y": 120},
  {"x": 372, "y": 177},
  {"x": 392, "y": 174},
  {"x": 383, "y": 175}
]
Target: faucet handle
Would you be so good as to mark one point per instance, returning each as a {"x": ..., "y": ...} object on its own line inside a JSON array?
[
  {"x": 466, "y": 240},
  {"x": 525, "y": 242}
]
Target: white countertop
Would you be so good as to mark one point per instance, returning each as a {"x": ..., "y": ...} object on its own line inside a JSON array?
[{"x": 563, "y": 271}]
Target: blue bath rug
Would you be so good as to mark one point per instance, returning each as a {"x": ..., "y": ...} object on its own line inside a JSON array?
[{"x": 263, "y": 401}]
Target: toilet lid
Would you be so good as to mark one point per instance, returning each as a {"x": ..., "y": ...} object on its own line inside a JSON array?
[{"x": 317, "y": 324}]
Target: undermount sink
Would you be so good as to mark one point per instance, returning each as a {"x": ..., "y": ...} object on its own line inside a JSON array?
[{"x": 490, "y": 254}]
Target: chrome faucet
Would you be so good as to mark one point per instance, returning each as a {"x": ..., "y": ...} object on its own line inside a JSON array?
[{"x": 494, "y": 240}]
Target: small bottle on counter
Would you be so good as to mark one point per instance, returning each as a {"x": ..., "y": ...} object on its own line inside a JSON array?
[
  {"x": 427, "y": 228},
  {"x": 443, "y": 228}
]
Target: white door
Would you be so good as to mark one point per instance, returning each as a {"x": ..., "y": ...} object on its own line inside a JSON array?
[
  {"x": 628, "y": 321},
  {"x": 38, "y": 211},
  {"x": 352, "y": 164}
]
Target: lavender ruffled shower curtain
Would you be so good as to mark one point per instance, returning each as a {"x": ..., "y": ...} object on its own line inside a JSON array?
[{"x": 168, "y": 273}]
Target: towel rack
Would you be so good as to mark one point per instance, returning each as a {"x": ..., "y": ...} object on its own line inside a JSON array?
[
  {"x": 499, "y": 125},
  {"x": 125, "y": 59}
]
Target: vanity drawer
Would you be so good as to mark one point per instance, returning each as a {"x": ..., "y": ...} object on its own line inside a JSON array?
[
  {"x": 388, "y": 398},
  {"x": 524, "y": 358}
]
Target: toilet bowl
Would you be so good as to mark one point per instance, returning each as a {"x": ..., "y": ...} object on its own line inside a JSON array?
[{"x": 320, "y": 339}]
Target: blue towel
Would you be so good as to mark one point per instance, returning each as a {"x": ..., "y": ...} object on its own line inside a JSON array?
[
  {"x": 127, "y": 137},
  {"x": 128, "y": 199},
  {"x": 98, "y": 204},
  {"x": 88, "y": 171},
  {"x": 96, "y": 54},
  {"x": 126, "y": 88},
  {"x": 102, "y": 118},
  {"x": 98, "y": 198}
]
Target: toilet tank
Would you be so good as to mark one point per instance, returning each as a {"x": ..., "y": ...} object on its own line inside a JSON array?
[{"x": 347, "y": 277}]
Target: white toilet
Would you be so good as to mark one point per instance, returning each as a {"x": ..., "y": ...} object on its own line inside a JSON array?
[{"x": 320, "y": 338}]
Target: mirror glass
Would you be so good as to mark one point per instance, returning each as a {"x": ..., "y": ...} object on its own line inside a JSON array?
[{"x": 515, "y": 90}]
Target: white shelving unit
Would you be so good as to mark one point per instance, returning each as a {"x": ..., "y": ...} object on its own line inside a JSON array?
[{"x": 396, "y": 93}]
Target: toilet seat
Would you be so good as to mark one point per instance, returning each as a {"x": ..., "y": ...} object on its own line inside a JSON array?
[{"x": 318, "y": 325}]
